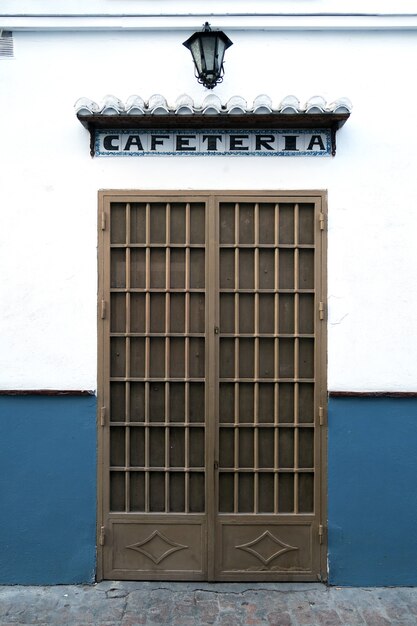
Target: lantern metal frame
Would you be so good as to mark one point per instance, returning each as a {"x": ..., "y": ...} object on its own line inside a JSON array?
[{"x": 208, "y": 76}]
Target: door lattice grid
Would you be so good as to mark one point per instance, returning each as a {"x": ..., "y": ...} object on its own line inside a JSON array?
[
  {"x": 157, "y": 357},
  {"x": 267, "y": 334}
]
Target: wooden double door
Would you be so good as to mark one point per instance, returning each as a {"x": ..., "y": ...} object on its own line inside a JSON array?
[{"x": 211, "y": 385}]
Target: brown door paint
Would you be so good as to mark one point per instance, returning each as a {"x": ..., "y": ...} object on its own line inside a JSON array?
[{"x": 211, "y": 385}]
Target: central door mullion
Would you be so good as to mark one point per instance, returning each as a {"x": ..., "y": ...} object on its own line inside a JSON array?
[{"x": 212, "y": 323}]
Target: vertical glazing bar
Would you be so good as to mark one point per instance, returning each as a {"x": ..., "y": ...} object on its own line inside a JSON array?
[
  {"x": 187, "y": 355},
  {"x": 256, "y": 365},
  {"x": 296, "y": 353},
  {"x": 127, "y": 366},
  {"x": 147, "y": 353},
  {"x": 236, "y": 366},
  {"x": 167, "y": 370},
  {"x": 276, "y": 357}
]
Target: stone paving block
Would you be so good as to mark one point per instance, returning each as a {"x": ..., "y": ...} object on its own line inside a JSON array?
[{"x": 279, "y": 618}]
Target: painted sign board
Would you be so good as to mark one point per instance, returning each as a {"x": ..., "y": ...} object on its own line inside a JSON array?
[{"x": 212, "y": 142}]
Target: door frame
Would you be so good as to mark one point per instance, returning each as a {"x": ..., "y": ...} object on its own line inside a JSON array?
[{"x": 108, "y": 195}]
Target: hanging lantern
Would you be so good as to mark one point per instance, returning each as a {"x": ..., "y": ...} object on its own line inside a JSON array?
[{"x": 207, "y": 48}]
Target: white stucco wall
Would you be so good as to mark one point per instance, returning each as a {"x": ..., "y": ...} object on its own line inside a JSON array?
[{"x": 49, "y": 183}]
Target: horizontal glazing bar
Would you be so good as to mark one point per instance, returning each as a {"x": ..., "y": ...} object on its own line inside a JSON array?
[
  {"x": 261, "y": 380},
  {"x": 264, "y": 425},
  {"x": 261, "y": 335},
  {"x": 160, "y": 424},
  {"x": 162, "y": 468},
  {"x": 261, "y": 246},
  {"x": 252, "y": 291},
  {"x": 182, "y": 246},
  {"x": 252, "y": 470},
  {"x": 162, "y": 380},
  {"x": 180, "y": 335}
]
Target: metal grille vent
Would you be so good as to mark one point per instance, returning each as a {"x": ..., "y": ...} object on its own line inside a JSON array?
[{"x": 6, "y": 44}]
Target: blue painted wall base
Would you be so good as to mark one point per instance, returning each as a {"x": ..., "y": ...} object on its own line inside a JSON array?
[
  {"x": 373, "y": 491},
  {"x": 47, "y": 490}
]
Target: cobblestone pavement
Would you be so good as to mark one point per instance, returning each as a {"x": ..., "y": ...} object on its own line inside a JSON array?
[{"x": 194, "y": 604}]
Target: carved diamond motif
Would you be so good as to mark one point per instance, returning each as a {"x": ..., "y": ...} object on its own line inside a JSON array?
[
  {"x": 265, "y": 547},
  {"x": 157, "y": 547}
]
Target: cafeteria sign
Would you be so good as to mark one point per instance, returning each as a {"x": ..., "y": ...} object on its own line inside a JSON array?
[{"x": 211, "y": 142}]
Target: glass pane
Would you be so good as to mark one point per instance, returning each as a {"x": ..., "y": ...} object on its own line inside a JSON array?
[
  {"x": 157, "y": 223},
  {"x": 158, "y": 267},
  {"x": 266, "y": 358},
  {"x": 117, "y": 356},
  {"x": 286, "y": 223},
  {"x": 246, "y": 493},
  {"x": 246, "y": 224},
  {"x": 246, "y": 451},
  {"x": 177, "y": 318},
  {"x": 176, "y": 492},
  {"x": 197, "y": 223},
  {"x": 157, "y": 402},
  {"x": 266, "y": 447},
  {"x": 266, "y": 493},
  {"x": 286, "y": 314},
  {"x": 118, "y": 222},
  {"x": 227, "y": 402},
  {"x": 306, "y": 223},
  {"x": 286, "y": 493},
  {"x": 117, "y": 446},
  {"x": 196, "y": 450},
  {"x": 138, "y": 222},
  {"x": 267, "y": 223},
  {"x": 246, "y": 358},
  {"x": 177, "y": 222},
  {"x": 266, "y": 269},
  {"x": 177, "y": 402},
  {"x": 227, "y": 313},
  {"x": 227, "y": 269},
  {"x": 197, "y": 313},
  {"x": 137, "y": 357},
  {"x": 137, "y": 312},
  {"x": 226, "y": 493},
  {"x": 157, "y": 317},
  {"x": 176, "y": 447},
  {"x": 157, "y": 358},
  {"x": 266, "y": 403},
  {"x": 196, "y": 402},
  {"x": 117, "y": 402},
  {"x": 246, "y": 313},
  {"x": 246, "y": 413},
  {"x": 118, "y": 269},
  {"x": 226, "y": 447},
  {"x": 157, "y": 492},
  {"x": 137, "y": 402},
  {"x": 137, "y": 491},
  {"x": 137, "y": 447},
  {"x": 137, "y": 268},
  {"x": 246, "y": 269},
  {"x": 286, "y": 447},
  {"x": 177, "y": 269},
  {"x": 266, "y": 313},
  {"x": 197, "y": 269},
  {"x": 227, "y": 223},
  {"x": 118, "y": 313},
  {"x": 286, "y": 269}
]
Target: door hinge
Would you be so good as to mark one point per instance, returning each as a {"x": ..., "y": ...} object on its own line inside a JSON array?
[
  {"x": 216, "y": 465},
  {"x": 321, "y": 533},
  {"x": 321, "y": 310},
  {"x": 103, "y": 416},
  {"x": 102, "y": 536},
  {"x": 103, "y": 221},
  {"x": 103, "y": 309},
  {"x": 322, "y": 220},
  {"x": 216, "y": 330},
  {"x": 321, "y": 415}
]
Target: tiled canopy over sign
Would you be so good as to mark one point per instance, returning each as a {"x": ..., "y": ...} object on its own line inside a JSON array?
[{"x": 211, "y": 105}]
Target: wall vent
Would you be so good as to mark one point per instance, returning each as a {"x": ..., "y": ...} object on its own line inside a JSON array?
[{"x": 6, "y": 44}]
